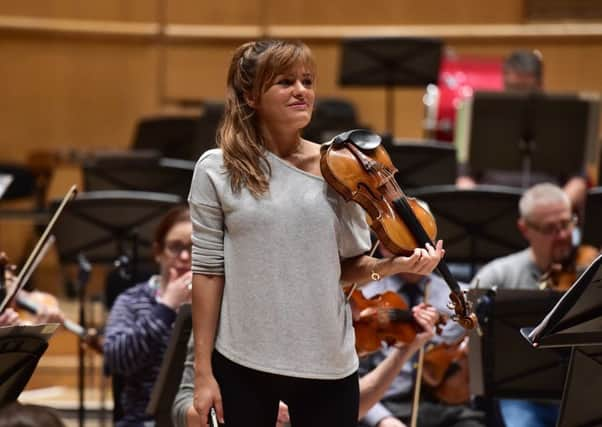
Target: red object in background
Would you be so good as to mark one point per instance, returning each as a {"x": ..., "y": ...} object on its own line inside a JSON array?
[{"x": 459, "y": 77}]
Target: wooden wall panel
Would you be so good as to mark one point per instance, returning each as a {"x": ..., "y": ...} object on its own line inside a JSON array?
[
  {"x": 393, "y": 12},
  {"x": 104, "y": 10},
  {"x": 69, "y": 93},
  {"x": 223, "y": 12}
]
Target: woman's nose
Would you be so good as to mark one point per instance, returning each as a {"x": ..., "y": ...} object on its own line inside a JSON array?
[{"x": 299, "y": 87}]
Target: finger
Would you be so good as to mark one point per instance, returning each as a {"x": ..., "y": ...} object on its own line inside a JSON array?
[
  {"x": 219, "y": 410},
  {"x": 173, "y": 274}
]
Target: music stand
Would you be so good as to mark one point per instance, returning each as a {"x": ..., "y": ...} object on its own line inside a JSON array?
[
  {"x": 576, "y": 321},
  {"x": 168, "y": 381},
  {"x": 172, "y": 136},
  {"x": 106, "y": 226},
  {"x": 390, "y": 62},
  {"x": 21, "y": 348},
  {"x": 477, "y": 225},
  {"x": 530, "y": 137},
  {"x": 592, "y": 228},
  {"x": 206, "y": 132},
  {"x": 137, "y": 171},
  {"x": 422, "y": 163},
  {"x": 502, "y": 363}
]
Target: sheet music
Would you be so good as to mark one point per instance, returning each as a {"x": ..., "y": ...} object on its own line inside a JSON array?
[{"x": 5, "y": 181}]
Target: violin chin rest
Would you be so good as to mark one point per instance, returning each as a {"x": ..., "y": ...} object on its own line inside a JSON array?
[{"x": 361, "y": 138}]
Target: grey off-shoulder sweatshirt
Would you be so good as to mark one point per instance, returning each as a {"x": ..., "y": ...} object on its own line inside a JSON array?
[{"x": 283, "y": 310}]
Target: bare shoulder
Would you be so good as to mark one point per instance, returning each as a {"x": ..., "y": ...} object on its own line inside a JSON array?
[{"x": 310, "y": 159}]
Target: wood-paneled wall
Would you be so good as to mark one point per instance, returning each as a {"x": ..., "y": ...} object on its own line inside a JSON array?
[{"x": 78, "y": 74}]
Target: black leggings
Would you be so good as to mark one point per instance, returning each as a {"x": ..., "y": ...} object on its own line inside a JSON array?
[{"x": 250, "y": 397}]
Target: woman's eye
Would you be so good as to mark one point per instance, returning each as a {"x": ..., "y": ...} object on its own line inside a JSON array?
[
  {"x": 308, "y": 82},
  {"x": 285, "y": 82}
]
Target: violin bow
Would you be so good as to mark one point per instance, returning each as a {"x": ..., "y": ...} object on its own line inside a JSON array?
[
  {"x": 38, "y": 248},
  {"x": 418, "y": 381}
]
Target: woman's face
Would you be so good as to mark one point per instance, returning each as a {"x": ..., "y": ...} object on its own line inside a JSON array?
[
  {"x": 289, "y": 101},
  {"x": 176, "y": 252}
]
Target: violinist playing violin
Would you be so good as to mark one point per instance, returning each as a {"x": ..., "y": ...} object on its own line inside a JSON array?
[
  {"x": 272, "y": 243},
  {"x": 548, "y": 224},
  {"x": 395, "y": 407},
  {"x": 48, "y": 310}
]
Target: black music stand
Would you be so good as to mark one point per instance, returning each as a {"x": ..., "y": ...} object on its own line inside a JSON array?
[
  {"x": 529, "y": 133},
  {"x": 576, "y": 321},
  {"x": 207, "y": 126},
  {"x": 592, "y": 227},
  {"x": 168, "y": 381},
  {"x": 172, "y": 136},
  {"x": 502, "y": 363},
  {"x": 476, "y": 225},
  {"x": 390, "y": 62},
  {"x": 138, "y": 171},
  {"x": 21, "y": 348},
  {"x": 109, "y": 225},
  {"x": 422, "y": 163}
]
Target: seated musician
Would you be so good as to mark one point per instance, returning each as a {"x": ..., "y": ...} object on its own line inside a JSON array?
[
  {"x": 46, "y": 306},
  {"x": 547, "y": 224},
  {"x": 372, "y": 385},
  {"x": 141, "y": 320},
  {"x": 437, "y": 406}
]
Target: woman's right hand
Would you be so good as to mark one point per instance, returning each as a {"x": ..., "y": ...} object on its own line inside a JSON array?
[
  {"x": 177, "y": 291},
  {"x": 9, "y": 317},
  {"x": 207, "y": 395}
]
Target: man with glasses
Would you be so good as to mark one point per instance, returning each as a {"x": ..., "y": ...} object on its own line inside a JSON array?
[{"x": 548, "y": 224}]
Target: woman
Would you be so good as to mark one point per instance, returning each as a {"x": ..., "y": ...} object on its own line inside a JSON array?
[
  {"x": 271, "y": 244},
  {"x": 142, "y": 317}
]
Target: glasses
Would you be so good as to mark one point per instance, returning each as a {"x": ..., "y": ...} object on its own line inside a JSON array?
[
  {"x": 175, "y": 248},
  {"x": 553, "y": 229}
]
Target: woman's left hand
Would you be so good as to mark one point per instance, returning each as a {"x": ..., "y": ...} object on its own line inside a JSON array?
[{"x": 422, "y": 261}]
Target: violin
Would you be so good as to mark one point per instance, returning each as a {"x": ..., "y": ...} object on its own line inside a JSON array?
[
  {"x": 445, "y": 372},
  {"x": 561, "y": 276},
  {"x": 384, "y": 317},
  {"x": 356, "y": 165},
  {"x": 32, "y": 303}
]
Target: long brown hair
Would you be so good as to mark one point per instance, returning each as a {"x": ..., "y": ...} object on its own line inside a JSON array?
[{"x": 254, "y": 67}]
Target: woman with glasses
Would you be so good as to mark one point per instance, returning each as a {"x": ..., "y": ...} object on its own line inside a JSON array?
[{"x": 142, "y": 317}]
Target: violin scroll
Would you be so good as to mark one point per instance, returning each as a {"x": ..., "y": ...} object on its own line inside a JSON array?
[{"x": 463, "y": 313}]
